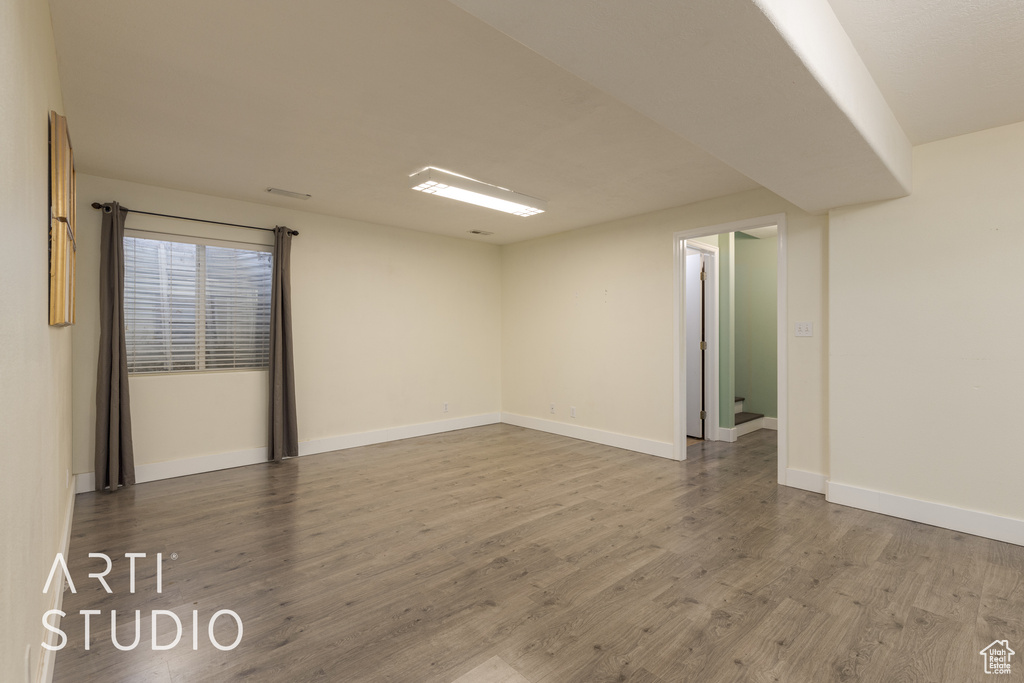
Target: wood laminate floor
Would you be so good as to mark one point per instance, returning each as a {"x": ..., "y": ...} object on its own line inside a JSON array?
[{"x": 500, "y": 554}]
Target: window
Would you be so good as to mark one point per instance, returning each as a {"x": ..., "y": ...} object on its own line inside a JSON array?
[{"x": 195, "y": 306}]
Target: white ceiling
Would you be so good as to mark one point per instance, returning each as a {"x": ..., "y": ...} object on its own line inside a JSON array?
[
  {"x": 344, "y": 99},
  {"x": 763, "y": 233},
  {"x": 773, "y": 88},
  {"x": 946, "y": 67}
]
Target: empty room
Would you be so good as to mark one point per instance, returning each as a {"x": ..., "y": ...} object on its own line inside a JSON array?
[{"x": 460, "y": 341}]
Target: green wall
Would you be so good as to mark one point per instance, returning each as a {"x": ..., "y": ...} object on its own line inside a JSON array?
[{"x": 755, "y": 323}]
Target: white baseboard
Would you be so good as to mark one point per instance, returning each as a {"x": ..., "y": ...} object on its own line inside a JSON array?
[
  {"x": 936, "y": 514},
  {"x": 749, "y": 427},
  {"x": 339, "y": 443},
  {"x": 629, "y": 443},
  {"x": 730, "y": 434},
  {"x": 170, "y": 469},
  {"x": 47, "y": 658},
  {"x": 252, "y": 456},
  {"x": 808, "y": 481}
]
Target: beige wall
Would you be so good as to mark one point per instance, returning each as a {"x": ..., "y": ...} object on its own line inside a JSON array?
[
  {"x": 389, "y": 324},
  {"x": 588, "y": 322},
  {"x": 927, "y": 323},
  {"x": 35, "y": 359}
]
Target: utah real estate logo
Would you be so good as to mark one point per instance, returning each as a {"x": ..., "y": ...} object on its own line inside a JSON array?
[{"x": 997, "y": 657}]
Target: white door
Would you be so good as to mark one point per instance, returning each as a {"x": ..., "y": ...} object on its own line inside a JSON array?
[{"x": 694, "y": 336}]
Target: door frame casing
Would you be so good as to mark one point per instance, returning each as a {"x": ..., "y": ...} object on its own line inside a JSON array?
[
  {"x": 679, "y": 330},
  {"x": 711, "y": 373}
]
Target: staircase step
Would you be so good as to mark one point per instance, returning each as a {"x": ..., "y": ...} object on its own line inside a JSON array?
[
  {"x": 747, "y": 417},
  {"x": 739, "y": 399}
]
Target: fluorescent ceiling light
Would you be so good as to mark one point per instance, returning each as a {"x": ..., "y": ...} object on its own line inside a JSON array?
[{"x": 454, "y": 186}]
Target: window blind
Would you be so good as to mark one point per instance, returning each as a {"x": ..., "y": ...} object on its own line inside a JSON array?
[{"x": 194, "y": 306}]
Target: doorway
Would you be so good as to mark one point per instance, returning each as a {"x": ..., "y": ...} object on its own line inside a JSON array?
[
  {"x": 681, "y": 402},
  {"x": 701, "y": 277}
]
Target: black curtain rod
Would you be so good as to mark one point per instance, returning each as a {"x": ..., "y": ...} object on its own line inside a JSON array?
[{"x": 106, "y": 209}]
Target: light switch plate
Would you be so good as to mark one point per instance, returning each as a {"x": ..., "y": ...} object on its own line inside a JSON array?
[{"x": 804, "y": 329}]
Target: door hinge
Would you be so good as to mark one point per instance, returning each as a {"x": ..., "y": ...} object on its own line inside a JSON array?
[
  {"x": 703, "y": 415},
  {"x": 703, "y": 346},
  {"x": 703, "y": 275}
]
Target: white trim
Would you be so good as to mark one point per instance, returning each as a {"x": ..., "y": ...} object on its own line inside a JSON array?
[
  {"x": 982, "y": 524},
  {"x": 169, "y": 469},
  {"x": 678, "y": 357},
  {"x": 253, "y": 456},
  {"x": 638, "y": 444},
  {"x": 749, "y": 427},
  {"x": 47, "y": 658},
  {"x": 339, "y": 443},
  {"x": 782, "y": 323},
  {"x": 730, "y": 435},
  {"x": 808, "y": 481},
  {"x": 782, "y": 330}
]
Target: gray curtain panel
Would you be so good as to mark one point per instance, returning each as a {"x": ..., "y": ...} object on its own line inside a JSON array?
[
  {"x": 284, "y": 430},
  {"x": 115, "y": 457}
]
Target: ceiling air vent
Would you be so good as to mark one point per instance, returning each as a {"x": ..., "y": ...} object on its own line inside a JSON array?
[{"x": 288, "y": 193}]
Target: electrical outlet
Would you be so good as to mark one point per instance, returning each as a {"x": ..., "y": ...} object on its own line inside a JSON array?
[
  {"x": 444, "y": 408},
  {"x": 804, "y": 329},
  {"x": 572, "y": 411},
  {"x": 552, "y": 408}
]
